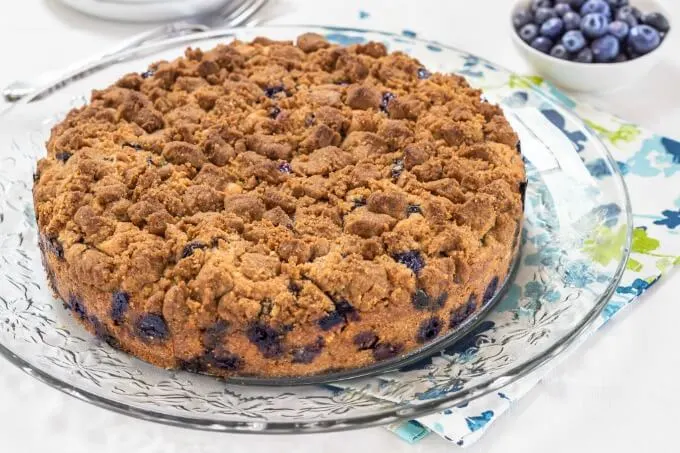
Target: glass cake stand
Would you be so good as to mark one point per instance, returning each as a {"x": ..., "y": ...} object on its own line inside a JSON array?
[{"x": 555, "y": 293}]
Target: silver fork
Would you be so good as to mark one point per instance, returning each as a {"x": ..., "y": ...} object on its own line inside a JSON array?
[{"x": 234, "y": 14}]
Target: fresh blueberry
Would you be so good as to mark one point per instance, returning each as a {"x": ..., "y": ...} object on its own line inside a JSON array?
[
  {"x": 459, "y": 315},
  {"x": 224, "y": 360},
  {"x": 490, "y": 290},
  {"x": 573, "y": 41},
  {"x": 543, "y": 14},
  {"x": 384, "y": 351},
  {"x": 656, "y": 20},
  {"x": 542, "y": 44},
  {"x": 562, "y": 8},
  {"x": 529, "y": 32},
  {"x": 191, "y": 247},
  {"x": 619, "y": 29},
  {"x": 643, "y": 39},
  {"x": 266, "y": 338},
  {"x": 429, "y": 329},
  {"x": 559, "y": 51},
  {"x": 307, "y": 353},
  {"x": 552, "y": 28},
  {"x": 63, "y": 156},
  {"x": 413, "y": 209},
  {"x": 284, "y": 167},
  {"x": 365, "y": 340},
  {"x": 270, "y": 92},
  {"x": 596, "y": 6},
  {"x": 621, "y": 57},
  {"x": 575, "y": 4},
  {"x": 152, "y": 326},
  {"x": 119, "y": 306},
  {"x": 536, "y": 4},
  {"x": 397, "y": 168},
  {"x": 572, "y": 21},
  {"x": 613, "y": 4},
  {"x": 631, "y": 53},
  {"x": 594, "y": 25},
  {"x": 385, "y": 102},
  {"x": 629, "y": 14},
  {"x": 519, "y": 20},
  {"x": 147, "y": 74},
  {"x": 584, "y": 56},
  {"x": 424, "y": 73},
  {"x": 411, "y": 259}
]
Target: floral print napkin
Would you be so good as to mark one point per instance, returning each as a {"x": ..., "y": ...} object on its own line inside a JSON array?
[{"x": 649, "y": 164}]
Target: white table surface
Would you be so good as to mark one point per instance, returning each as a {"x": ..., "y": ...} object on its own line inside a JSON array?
[{"x": 617, "y": 394}]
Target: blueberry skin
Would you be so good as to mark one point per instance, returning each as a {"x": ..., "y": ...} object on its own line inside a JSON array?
[
  {"x": 574, "y": 41},
  {"x": 594, "y": 25},
  {"x": 643, "y": 39},
  {"x": 411, "y": 259},
  {"x": 559, "y": 51},
  {"x": 584, "y": 56},
  {"x": 429, "y": 329},
  {"x": 617, "y": 3},
  {"x": 151, "y": 326},
  {"x": 536, "y": 4},
  {"x": 120, "y": 301},
  {"x": 656, "y": 20},
  {"x": 572, "y": 21},
  {"x": 552, "y": 28},
  {"x": 542, "y": 44},
  {"x": 605, "y": 49},
  {"x": 596, "y": 6},
  {"x": 629, "y": 14},
  {"x": 543, "y": 14},
  {"x": 521, "y": 18},
  {"x": 562, "y": 8},
  {"x": 529, "y": 32},
  {"x": 619, "y": 29},
  {"x": 575, "y": 4}
]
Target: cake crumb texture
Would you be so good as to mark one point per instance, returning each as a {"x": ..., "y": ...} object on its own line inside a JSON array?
[{"x": 279, "y": 209}]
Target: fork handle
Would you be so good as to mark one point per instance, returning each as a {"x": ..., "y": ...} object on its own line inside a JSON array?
[{"x": 18, "y": 90}]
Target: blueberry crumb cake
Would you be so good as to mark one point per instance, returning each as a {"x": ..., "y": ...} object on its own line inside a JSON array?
[{"x": 279, "y": 209}]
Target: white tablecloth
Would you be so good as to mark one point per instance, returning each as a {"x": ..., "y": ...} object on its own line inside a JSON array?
[{"x": 619, "y": 393}]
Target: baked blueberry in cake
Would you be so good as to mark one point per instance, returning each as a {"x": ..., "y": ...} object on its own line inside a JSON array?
[{"x": 279, "y": 209}]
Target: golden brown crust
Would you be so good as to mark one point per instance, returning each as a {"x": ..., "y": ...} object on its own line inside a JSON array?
[{"x": 275, "y": 209}]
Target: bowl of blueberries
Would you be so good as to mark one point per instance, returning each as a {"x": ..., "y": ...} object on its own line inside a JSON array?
[{"x": 591, "y": 45}]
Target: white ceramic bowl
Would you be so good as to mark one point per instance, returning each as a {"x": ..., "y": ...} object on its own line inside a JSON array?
[{"x": 593, "y": 77}]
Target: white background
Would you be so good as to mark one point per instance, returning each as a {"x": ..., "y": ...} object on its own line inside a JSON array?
[{"x": 617, "y": 394}]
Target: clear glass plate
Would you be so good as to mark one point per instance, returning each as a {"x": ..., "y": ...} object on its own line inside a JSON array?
[{"x": 556, "y": 292}]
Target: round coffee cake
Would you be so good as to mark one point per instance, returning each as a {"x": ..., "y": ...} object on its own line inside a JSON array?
[{"x": 279, "y": 209}]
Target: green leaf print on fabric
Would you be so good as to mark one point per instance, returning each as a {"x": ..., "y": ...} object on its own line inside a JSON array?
[
  {"x": 642, "y": 243},
  {"x": 517, "y": 81},
  {"x": 625, "y": 133},
  {"x": 605, "y": 245}
]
